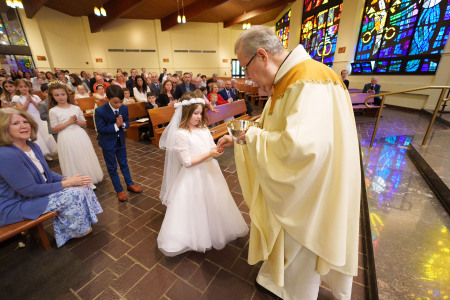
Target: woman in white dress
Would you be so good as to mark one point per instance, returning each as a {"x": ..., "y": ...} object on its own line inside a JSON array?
[
  {"x": 76, "y": 153},
  {"x": 201, "y": 213},
  {"x": 24, "y": 100}
]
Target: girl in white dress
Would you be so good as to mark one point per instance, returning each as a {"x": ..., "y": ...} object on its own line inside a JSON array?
[
  {"x": 201, "y": 213},
  {"x": 76, "y": 153},
  {"x": 24, "y": 100}
]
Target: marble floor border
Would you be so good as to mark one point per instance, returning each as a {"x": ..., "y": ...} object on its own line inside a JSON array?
[
  {"x": 441, "y": 190},
  {"x": 370, "y": 280}
]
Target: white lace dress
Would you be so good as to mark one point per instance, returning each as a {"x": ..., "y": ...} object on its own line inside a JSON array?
[
  {"x": 201, "y": 213},
  {"x": 75, "y": 150},
  {"x": 45, "y": 140}
]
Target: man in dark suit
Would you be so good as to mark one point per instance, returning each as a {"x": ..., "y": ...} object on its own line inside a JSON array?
[
  {"x": 155, "y": 86},
  {"x": 214, "y": 78},
  {"x": 131, "y": 81},
  {"x": 227, "y": 93},
  {"x": 163, "y": 76},
  {"x": 93, "y": 81},
  {"x": 111, "y": 120},
  {"x": 373, "y": 88},
  {"x": 186, "y": 86}
]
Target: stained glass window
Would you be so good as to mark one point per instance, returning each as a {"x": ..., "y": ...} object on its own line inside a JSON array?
[
  {"x": 320, "y": 28},
  {"x": 404, "y": 36},
  {"x": 282, "y": 28}
]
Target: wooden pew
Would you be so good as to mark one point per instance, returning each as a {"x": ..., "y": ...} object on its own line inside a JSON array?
[
  {"x": 136, "y": 111},
  {"x": 359, "y": 106},
  {"x": 87, "y": 106},
  {"x": 11, "y": 230},
  {"x": 227, "y": 111},
  {"x": 39, "y": 94},
  {"x": 160, "y": 116}
]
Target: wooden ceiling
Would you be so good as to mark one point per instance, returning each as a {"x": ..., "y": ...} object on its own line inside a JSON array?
[{"x": 229, "y": 12}]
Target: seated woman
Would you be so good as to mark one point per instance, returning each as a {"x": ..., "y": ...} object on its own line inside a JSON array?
[
  {"x": 28, "y": 188},
  {"x": 120, "y": 80},
  {"x": 166, "y": 96},
  {"x": 140, "y": 89}
]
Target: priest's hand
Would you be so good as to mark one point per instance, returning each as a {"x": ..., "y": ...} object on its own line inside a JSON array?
[{"x": 225, "y": 141}]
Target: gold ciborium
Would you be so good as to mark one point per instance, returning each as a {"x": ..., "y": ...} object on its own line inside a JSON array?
[{"x": 237, "y": 127}]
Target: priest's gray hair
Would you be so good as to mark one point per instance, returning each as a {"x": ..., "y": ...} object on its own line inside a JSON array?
[{"x": 258, "y": 37}]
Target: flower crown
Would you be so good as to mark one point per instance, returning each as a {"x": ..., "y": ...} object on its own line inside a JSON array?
[
  {"x": 189, "y": 102},
  {"x": 55, "y": 82}
]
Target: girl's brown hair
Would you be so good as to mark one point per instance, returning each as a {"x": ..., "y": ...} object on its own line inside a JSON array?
[
  {"x": 5, "y": 120},
  {"x": 188, "y": 110},
  {"x": 6, "y": 95},
  {"x": 163, "y": 88},
  {"x": 54, "y": 86}
]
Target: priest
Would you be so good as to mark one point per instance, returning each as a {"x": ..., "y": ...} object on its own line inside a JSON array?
[{"x": 300, "y": 172}]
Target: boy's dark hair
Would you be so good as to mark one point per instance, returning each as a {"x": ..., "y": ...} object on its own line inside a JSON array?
[
  {"x": 150, "y": 94},
  {"x": 114, "y": 91},
  {"x": 3, "y": 75},
  {"x": 125, "y": 90},
  {"x": 44, "y": 87},
  {"x": 202, "y": 88}
]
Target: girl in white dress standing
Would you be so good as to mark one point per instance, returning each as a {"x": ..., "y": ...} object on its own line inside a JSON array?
[
  {"x": 24, "y": 100},
  {"x": 201, "y": 213},
  {"x": 76, "y": 153}
]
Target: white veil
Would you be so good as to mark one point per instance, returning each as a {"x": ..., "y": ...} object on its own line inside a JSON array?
[{"x": 167, "y": 141}]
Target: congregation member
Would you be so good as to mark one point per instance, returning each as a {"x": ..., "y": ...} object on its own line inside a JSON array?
[
  {"x": 166, "y": 98},
  {"x": 140, "y": 89},
  {"x": 37, "y": 81},
  {"x": 227, "y": 93},
  {"x": 126, "y": 97},
  {"x": 131, "y": 82},
  {"x": 43, "y": 110},
  {"x": 85, "y": 77},
  {"x": 62, "y": 78},
  {"x": 196, "y": 81},
  {"x": 9, "y": 91},
  {"x": 100, "y": 95},
  {"x": 28, "y": 188},
  {"x": 344, "y": 79},
  {"x": 203, "y": 83},
  {"x": 120, "y": 80},
  {"x": 92, "y": 81},
  {"x": 49, "y": 76},
  {"x": 299, "y": 173},
  {"x": 155, "y": 85},
  {"x": 214, "y": 78},
  {"x": 185, "y": 86},
  {"x": 30, "y": 103},
  {"x": 111, "y": 120},
  {"x": 163, "y": 76},
  {"x": 215, "y": 98},
  {"x": 100, "y": 81},
  {"x": 373, "y": 88},
  {"x": 76, "y": 81}
]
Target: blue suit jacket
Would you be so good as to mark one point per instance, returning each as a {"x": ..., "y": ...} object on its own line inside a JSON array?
[
  {"x": 224, "y": 95},
  {"x": 23, "y": 190},
  {"x": 181, "y": 89},
  {"x": 104, "y": 121}
]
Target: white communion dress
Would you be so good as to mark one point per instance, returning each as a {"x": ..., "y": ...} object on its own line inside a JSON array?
[
  {"x": 201, "y": 213},
  {"x": 44, "y": 140},
  {"x": 75, "y": 150}
]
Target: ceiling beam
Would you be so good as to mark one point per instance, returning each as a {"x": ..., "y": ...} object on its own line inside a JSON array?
[
  {"x": 256, "y": 12},
  {"x": 190, "y": 11},
  {"x": 114, "y": 10},
  {"x": 32, "y": 7}
]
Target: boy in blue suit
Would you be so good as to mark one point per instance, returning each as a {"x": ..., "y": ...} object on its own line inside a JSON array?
[{"x": 111, "y": 120}]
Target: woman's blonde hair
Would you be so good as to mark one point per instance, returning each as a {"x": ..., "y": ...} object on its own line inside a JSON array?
[
  {"x": 188, "y": 110},
  {"x": 5, "y": 120}
]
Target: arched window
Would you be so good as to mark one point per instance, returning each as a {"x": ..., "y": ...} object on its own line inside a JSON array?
[
  {"x": 320, "y": 26},
  {"x": 403, "y": 37}
]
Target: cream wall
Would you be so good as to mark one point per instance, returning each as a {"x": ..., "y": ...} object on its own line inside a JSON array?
[{"x": 68, "y": 43}]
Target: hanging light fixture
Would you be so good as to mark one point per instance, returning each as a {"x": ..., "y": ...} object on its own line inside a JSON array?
[
  {"x": 244, "y": 26},
  {"x": 178, "y": 9},
  {"x": 97, "y": 11},
  {"x": 100, "y": 11},
  {"x": 103, "y": 11},
  {"x": 249, "y": 25},
  {"x": 14, "y": 3},
  {"x": 184, "y": 17}
]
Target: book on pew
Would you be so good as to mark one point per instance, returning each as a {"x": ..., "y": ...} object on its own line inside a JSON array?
[{"x": 143, "y": 120}]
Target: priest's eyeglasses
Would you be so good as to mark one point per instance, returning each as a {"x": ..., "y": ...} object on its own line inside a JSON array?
[{"x": 246, "y": 66}]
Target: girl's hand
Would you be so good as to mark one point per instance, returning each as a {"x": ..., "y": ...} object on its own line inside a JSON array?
[
  {"x": 76, "y": 180},
  {"x": 214, "y": 152}
]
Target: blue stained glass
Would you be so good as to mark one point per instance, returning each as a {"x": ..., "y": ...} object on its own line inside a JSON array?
[
  {"x": 395, "y": 66},
  {"x": 412, "y": 65},
  {"x": 433, "y": 66}
]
